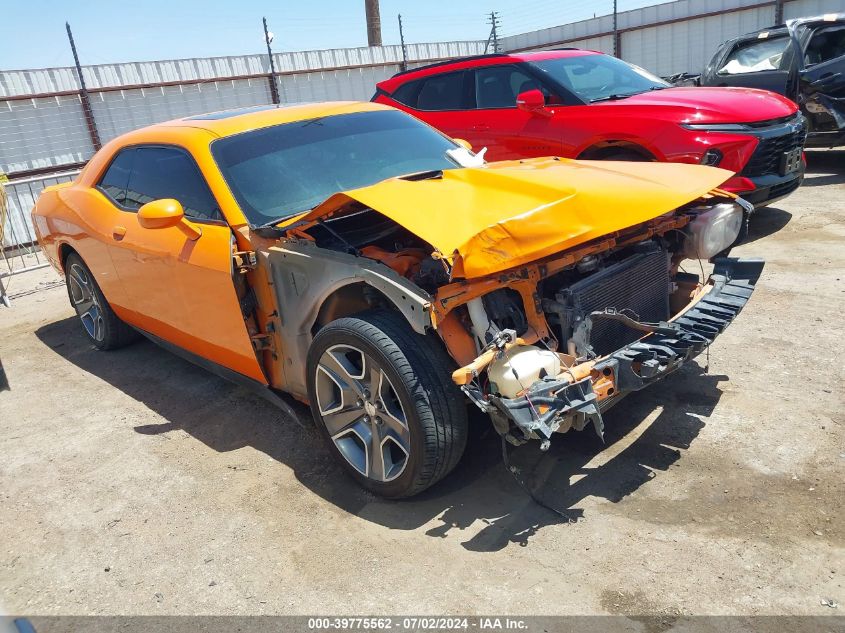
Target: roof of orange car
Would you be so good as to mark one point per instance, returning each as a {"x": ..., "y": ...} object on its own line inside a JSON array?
[{"x": 228, "y": 122}]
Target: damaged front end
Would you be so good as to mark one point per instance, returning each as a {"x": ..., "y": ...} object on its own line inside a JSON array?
[
  {"x": 577, "y": 396},
  {"x": 599, "y": 323},
  {"x": 553, "y": 301}
]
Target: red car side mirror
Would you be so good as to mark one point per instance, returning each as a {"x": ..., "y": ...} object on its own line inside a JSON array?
[{"x": 531, "y": 101}]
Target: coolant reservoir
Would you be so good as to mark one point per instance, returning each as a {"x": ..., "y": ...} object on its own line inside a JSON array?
[{"x": 521, "y": 366}]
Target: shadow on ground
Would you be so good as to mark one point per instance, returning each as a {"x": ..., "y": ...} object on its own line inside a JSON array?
[
  {"x": 825, "y": 167},
  {"x": 226, "y": 417},
  {"x": 766, "y": 221}
]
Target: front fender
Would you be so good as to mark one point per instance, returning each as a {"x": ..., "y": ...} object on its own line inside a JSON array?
[{"x": 304, "y": 276}]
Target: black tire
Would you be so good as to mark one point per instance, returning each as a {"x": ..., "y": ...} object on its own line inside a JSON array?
[
  {"x": 101, "y": 325},
  {"x": 419, "y": 374}
]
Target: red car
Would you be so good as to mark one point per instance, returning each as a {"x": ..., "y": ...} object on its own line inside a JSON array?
[{"x": 587, "y": 105}]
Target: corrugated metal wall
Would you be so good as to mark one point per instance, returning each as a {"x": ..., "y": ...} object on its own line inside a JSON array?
[
  {"x": 51, "y": 80},
  {"x": 803, "y": 8},
  {"x": 120, "y": 111},
  {"x": 574, "y": 34},
  {"x": 42, "y": 132},
  {"x": 688, "y": 45},
  {"x": 680, "y": 41},
  {"x": 50, "y": 131}
]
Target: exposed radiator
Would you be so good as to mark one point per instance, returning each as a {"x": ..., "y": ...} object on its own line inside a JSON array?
[{"x": 639, "y": 285}]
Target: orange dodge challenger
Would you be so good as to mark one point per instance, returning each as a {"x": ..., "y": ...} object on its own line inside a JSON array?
[{"x": 354, "y": 257}]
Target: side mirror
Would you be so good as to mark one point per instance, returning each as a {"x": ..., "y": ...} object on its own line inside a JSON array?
[
  {"x": 531, "y": 101},
  {"x": 161, "y": 214},
  {"x": 463, "y": 143},
  {"x": 164, "y": 213}
]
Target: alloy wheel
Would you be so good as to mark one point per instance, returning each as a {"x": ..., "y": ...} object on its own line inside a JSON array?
[
  {"x": 85, "y": 301},
  {"x": 362, "y": 413}
]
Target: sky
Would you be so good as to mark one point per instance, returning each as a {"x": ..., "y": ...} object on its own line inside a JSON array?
[{"x": 32, "y": 32}]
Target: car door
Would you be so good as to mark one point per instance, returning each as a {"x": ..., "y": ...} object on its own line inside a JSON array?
[
  {"x": 764, "y": 61},
  {"x": 823, "y": 76},
  {"x": 506, "y": 131},
  {"x": 179, "y": 288},
  {"x": 827, "y": 79},
  {"x": 440, "y": 100}
]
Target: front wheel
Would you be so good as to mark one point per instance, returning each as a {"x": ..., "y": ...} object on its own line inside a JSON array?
[{"x": 383, "y": 397}]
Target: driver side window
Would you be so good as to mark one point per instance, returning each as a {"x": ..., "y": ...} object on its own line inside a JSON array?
[
  {"x": 138, "y": 175},
  {"x": 167, "y": 172},
  {"x": 498, "y": 86},
  {"x": 827, "y": 43}
]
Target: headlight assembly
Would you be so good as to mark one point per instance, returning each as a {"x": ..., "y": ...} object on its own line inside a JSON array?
[{"x": 712, "y": 231}]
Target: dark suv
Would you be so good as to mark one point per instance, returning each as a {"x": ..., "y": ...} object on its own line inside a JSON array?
[{"x": 803, "y": 59}]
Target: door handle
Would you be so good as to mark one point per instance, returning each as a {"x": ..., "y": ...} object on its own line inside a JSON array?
[
  {"x": 481, "y": 127},
  {"x": 118, "y": 232}
]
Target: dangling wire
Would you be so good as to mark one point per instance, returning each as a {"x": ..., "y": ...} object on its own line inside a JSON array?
[
  {"x": 513, "y": 470},
  {"x": 707, "y": 348}
]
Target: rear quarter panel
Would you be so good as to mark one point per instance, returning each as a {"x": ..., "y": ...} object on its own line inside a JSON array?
[{"x": 65, "y": 216}]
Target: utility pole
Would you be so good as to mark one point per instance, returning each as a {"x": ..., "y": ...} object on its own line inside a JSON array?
[
  {"x": 271, "y": 79},
  {"x": 83, "y": 95},
  {"x": 402, "y": 40},
  {"x": 779, "y": 12},
  {"x": 617, "y": 43},
  {"x": 495, "y": 23},
  {"x": 373, "y": 22}
]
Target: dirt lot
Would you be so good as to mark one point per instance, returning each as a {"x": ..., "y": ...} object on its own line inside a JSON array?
[{"x": 136, "y": 483}]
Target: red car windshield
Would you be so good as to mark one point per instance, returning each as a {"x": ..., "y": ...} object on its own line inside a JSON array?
[{"x": 599, "y": 77}]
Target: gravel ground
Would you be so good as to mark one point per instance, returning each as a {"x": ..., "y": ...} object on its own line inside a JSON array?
[{"x": 132, "y": 482}]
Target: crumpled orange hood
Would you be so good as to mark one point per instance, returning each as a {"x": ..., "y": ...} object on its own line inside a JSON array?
[{"x": 509, "y": 213}]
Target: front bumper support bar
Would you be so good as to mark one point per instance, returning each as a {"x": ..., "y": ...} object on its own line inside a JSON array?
[{"x": 552, "y": 402}]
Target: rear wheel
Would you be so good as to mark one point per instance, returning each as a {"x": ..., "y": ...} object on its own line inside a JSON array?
[
  {"x": 383, "y": 398},
  {"x": 103, "y": 327}
]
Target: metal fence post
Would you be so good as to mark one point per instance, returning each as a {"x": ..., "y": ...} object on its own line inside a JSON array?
[
  {"x": 274, "y": 89},
  {"x": 617, "y": 36},
  {"x": 402, "y": 40},
  {"x": 83, "y": 95},
  {"x": 779, "y": 12}
]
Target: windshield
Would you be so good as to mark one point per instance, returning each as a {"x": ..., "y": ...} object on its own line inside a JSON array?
[
  {"x": 598, "y": 77},
  {"x": 281, "y": 171},
  {"x": 755, "y": 56}
]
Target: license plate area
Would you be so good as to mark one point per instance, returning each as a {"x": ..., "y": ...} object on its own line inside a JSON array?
[{"x": 790, "y": 162}]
